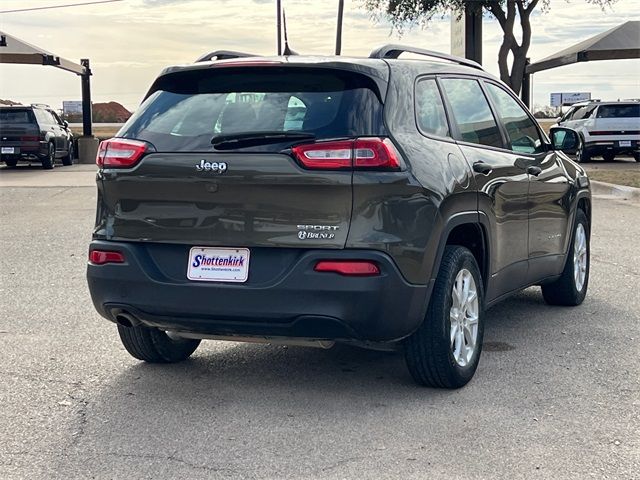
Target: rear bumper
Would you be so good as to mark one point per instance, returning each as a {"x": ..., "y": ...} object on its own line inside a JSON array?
[
  {"x": 291, "y": 301},
  {"x": 26, "y": 150},
  {"x": 599, "y": 147}
]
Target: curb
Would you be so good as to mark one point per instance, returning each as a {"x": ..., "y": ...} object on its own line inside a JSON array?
[{"x": 619, "y": 191}]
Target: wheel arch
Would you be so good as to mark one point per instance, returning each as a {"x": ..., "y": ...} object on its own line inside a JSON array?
[{"x": 470, "y": 230}]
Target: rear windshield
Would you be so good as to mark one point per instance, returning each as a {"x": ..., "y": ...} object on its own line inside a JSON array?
[
  {"x": 15, "y": 115},
  {"x": 619, "y": 111},
  {"x": 186, "y": 110}
]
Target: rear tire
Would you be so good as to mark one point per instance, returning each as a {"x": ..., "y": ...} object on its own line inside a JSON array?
[
  {"x": 571, "y": 288},
  {"x": 49, "y": 161},
  {"x": 454, "y": 323},
  {"x": 608, "y": 157},
  {"x": 636, "y": 156},
  {"x": 11, "y": 163},
  {"x": 68, "y": 158},
  {"x": 155, "y": 346}
]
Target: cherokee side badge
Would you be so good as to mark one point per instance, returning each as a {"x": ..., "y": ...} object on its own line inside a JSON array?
[{"x": 217, "y": 168}]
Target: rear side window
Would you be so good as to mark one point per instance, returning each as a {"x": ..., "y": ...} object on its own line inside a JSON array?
[
  {"x": 188, "y": 109},
  {"x": 44, "y": 118},
  {"x": 16, "y": 116},
  {"x": 521, "y": 130},
  {"x": 618, "y": 111},
  {"x": 430, "y": 113},
  {"x": 583, "y": 112},
  {"x": 471, "y": 112}
]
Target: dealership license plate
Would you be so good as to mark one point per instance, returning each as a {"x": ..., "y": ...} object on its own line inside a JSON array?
[
  {"x": 218, "y": 264},
  {"x": 8, "y": 150},
  {"x": 625, "y": 143}
]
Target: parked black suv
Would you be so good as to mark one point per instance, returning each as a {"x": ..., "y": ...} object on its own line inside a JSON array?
[
  {"x": 379, "y": 202},
  {"x": 34, "y": 132}
]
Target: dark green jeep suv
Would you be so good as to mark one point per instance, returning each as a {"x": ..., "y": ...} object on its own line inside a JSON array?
[{"x": 377, "y": 201}]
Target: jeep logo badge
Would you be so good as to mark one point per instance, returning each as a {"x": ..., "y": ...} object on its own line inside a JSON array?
[{"x": 213, "y": 167}]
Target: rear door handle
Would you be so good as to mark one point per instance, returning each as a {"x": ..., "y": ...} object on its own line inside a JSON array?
[
  {"x": 483, "y": 168},
  {"x": 533, "y": 170}
]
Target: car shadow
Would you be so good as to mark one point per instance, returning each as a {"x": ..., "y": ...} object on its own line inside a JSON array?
[{"x": 263, "y": 368}]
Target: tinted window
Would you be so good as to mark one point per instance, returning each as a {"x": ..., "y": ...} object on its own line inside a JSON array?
[
  {"x": 16, "y": 116},
  {"x": 429, "y": 109},
  {"x": 569, "y": 115},
  {"x": 56, "y": 118},
  {"x": 521, "y": 130},
  {"x": 619, "y": 111},
  {"x": 189, "y": 108},
  {"x": 471, "y": 111}
]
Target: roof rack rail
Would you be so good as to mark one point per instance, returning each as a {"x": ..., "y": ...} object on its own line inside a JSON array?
[
  {"x": 40, "y": 105},
  {"x": 223, "y": 55},
  {"x": 394, "y": 51}
]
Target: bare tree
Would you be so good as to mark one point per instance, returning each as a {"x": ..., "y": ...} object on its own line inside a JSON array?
[{"x": 407, "y": 13}]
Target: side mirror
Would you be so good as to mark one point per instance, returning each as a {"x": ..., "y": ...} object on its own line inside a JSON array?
[{"x": 564, "y": 139}]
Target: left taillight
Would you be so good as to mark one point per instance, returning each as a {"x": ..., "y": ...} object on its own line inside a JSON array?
[
  {"x": 367, "y": 153},
  {"x": 121, "y": 153},
  {"x": 101, "y": 257}
]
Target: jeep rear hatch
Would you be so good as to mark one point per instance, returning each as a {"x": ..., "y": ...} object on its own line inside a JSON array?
[{"x": 243, "y": 156}]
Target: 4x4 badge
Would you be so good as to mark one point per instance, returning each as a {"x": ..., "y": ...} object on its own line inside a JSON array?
[{"x": 213, "y": 167}]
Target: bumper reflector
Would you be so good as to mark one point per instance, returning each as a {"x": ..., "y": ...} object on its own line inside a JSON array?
[
  {"x": 100, "y": 257},
  {"x": 351, "y": 268}
]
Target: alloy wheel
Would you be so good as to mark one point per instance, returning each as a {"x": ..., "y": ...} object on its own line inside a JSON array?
[
  {"x": 463, "y": 317},
  {"x": 580, "y": 258}
]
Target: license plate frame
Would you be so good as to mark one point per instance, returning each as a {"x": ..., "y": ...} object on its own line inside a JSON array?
[
  {"x": 218, "y": 264},
  {"x": 8, "y": 150},
  {"x": 624, "y": 143}
]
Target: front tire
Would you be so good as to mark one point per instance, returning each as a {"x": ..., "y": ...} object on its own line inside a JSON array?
[
  {"x": 11, "y": 163},
  {"x": 571, "y": 288},
  {"x": 49, "y": 161},
  {"x": 444, "y": 352},
  {"x": 583, "y": 155},
  {"x": 68, "y": 158},
  {"x": 608, "y": 157},
  {"x": 155, "y": 346},
  {"x": 636, "y": 156}
]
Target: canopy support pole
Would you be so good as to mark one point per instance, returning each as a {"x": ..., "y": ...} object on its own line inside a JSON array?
[{"x": 86, "y": 98}]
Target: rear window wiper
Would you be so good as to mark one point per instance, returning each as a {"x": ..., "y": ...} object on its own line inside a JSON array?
[{"x": 250, "y": 139}]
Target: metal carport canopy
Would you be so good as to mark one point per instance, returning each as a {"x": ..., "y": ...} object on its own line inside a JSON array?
[
  {"x": 620, "y": 42},
  {"x": 14, "y": 50}
]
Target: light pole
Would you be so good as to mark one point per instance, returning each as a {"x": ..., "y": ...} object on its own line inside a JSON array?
[
  {"x": 279, "y": 25},
  {"x": 339, "y": 28}
]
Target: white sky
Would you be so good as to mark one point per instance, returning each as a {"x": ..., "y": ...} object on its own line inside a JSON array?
[{"x": 129, "y": 42}]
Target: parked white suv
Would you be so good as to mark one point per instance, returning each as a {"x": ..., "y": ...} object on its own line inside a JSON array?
[{"x": 607, "y": 129}]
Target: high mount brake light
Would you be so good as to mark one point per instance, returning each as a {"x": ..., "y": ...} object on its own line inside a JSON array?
[
  {"x": 368, "y": 153},
  {"x": 349, "y": 268},
  {"x": 121, "y": 153},
  {"x": 246, "y": 63}
]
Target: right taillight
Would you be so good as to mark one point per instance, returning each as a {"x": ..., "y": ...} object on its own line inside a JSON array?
[
  {"x": 101, "y": 257},
  {"x": 367, "y": 153},
  {"x": 348, "y": 268},
  {"x": 121, "y": 152}
]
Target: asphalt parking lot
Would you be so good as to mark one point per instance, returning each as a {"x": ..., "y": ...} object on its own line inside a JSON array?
[{"x": 556, "y": 396}]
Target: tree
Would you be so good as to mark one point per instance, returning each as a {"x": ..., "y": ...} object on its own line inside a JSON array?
[{"x": 407, "y": 13}]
